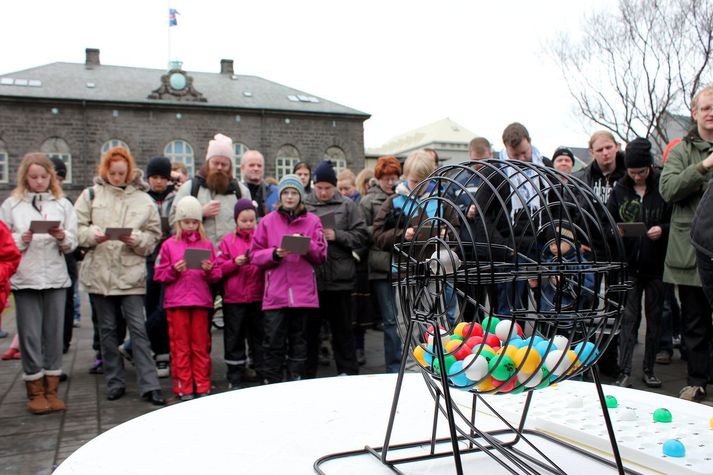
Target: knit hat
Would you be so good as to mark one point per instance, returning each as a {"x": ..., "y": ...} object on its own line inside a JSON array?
[
  {"x": 159, "y": 166},
  {"x": 563, "y": 151},
  {"x": 189, "y": 208},
  {"x": 59, "y": 167},
  {"x": 638, "y": 154},
  {"x": 292, "y": 181},
  {"x": 220, "y": 146},
  {"x": 243, "y": 204},
  {"x": 325, "y": 172}
]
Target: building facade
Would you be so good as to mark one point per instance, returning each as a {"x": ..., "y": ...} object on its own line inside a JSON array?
[{"x": 78, "y": 111}]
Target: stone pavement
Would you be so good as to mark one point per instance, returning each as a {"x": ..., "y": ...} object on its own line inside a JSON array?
[{"x": 32, "y": 444}]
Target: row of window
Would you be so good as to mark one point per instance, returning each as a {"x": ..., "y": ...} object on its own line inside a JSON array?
[{"x": 179, "y": 151}]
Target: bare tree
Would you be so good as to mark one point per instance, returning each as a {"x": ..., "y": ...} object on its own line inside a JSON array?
[{"x": 635, "y": 66}]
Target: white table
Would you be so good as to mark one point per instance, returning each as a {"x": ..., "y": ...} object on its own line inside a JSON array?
[{"x": 284, "y": 428}]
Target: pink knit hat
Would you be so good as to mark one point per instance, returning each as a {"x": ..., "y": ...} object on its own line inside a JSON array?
[{"x": 220, "y": 146}]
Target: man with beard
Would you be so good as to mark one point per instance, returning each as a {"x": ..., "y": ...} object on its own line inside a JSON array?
[
  {"x": 252, "y": 169},
  {"x": 216, "y": 190}
]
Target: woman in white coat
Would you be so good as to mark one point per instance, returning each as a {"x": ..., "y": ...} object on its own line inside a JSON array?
[{"x": 41, "y": 280}]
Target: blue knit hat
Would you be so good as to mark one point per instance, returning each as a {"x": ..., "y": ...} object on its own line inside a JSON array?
[
  {"x": 292, "y": 181},
  {"x": 325, "y": 172}
]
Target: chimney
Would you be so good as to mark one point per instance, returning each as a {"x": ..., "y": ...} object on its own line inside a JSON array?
[
  {"x": 226, "y": 66},
  {"x": 92, "y": 57}
]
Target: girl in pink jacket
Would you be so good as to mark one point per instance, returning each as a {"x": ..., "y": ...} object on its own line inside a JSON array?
[
  {"x": 187, "y": 300},
  {"x": 290, "y": 283},
  {"x": 242, "y": 294}
]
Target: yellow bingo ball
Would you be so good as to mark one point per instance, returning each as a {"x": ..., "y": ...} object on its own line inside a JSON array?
[
  {"x": 458, "y": 330},
  {"x": 576, "y": 363},
  {"x": 419, "y": 353},
  {"x": 527, "y": 362},
  {"x": 509, "y": 350},
  {"x": 486, "y": 385},
  {"x": 453, "y": 345}
]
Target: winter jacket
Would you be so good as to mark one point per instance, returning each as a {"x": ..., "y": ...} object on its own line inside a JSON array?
[
  {"x": 221, "y": 224},
  {"x": 572, "y": 287},
  {"x": 290, "y": 281},
  {"x": 42, "y": 265},
  {"x": 593, "y": 177},
  {"x": 9, "y": 261},
  {"x": 339, "y": 272},
  {"x": 112, "y": 267},
  {"x": 645, "y": 257},
  {"x": 379, "y": 260},
  {"x": 400, "y": 212},
  {"x": 266, "y": 196},
  {"x": 190, "y": 288},
  {"x": 683, "y": 182},
  {"x": 164, "y": 203},
  {"x": 241, "y": 284}
]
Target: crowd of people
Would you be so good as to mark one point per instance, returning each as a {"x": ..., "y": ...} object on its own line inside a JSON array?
[{"x": 311, "y": 255}]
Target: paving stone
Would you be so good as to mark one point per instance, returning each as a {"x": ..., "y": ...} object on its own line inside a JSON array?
[{"x": 37, "y": 463}]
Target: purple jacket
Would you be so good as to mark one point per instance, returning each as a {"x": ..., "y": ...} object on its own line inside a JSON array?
[
  {"x": 289, "y": 282},
  {"x": 190, "y": 288},
  {"x": 241, "y": 284}
]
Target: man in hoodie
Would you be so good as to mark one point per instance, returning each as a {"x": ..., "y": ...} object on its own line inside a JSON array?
[{"x": 607, "y": 165}]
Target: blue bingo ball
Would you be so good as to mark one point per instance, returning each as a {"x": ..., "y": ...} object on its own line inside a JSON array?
[
  {"x": 517, "y": 342},
  {"x": 460, "y": 380},
  {"x": 586, "y": 352},
  {"x": 674, "y": 448},
  {"x": 544, "y": 347},
  {"x": 428, "y": 355}
]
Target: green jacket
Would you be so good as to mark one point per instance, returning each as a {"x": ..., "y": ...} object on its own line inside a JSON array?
[{"x": 682, "y": 184}]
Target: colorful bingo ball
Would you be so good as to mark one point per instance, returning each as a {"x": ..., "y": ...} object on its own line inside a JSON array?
[
  {"x": 453, "y": 345},
  {"x": 586, "y": 352},
  {"x": 489, "y": 324},
  {"x": 611, "y": 402},
  {"x": 472, "y": 329},
  {"x": 487, "y": 385},
  {"x": 492, "y": 341},
  {"x": 674, "y": 448},
  {"x": 561, "y": 342},
  {"x": 501, "y": 367},
  {"x": 517, "y": 341},
  {"x": 458, "y": 330},
  {"x": 449, "y": 359},
  {"x": 428, "y": 355},
  {"x": 544, "y": 347},
  {"x": 458, "y": 377},
  {"x": 484, "y": 350},
  {"x": 462, "y": 352},
  {"x": 557, "y": 362},
  {"x": 527, "y": 359},
  {"x": 504, "y": 387},
  {"x": 419, "y": 354},
  {"x": 546, "y": 377},
  {"x": 662, "y": 415},
  {"x": 474, "y": 341},
  {"x": 529, "y": 380},
  {"x": 508, "y": 350}
]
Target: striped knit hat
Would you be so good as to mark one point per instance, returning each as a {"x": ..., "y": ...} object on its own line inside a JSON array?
[{"x": 292, "y": 181}]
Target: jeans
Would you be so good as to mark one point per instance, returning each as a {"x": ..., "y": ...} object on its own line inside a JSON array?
[
  {"x": 652, "y": 289},
  {"x": 156, "y": 320},
  {"x": 386, "y": 299},
  {"x": 670, "y": 318},
  {"x": 696, "y": 316}
]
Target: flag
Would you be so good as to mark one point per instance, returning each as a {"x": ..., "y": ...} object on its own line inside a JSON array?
[{"x": 172, "y": 21}]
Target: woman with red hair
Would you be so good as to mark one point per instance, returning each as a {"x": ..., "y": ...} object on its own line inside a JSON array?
[
  {"x": 114, "y": 269},
  {"x": 386, "y": 173}
]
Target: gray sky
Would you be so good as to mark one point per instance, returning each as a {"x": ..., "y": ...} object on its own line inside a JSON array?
[{"x": 406, "y": 62}]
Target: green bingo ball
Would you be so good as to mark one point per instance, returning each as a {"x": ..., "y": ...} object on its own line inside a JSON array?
[
  {"x": 662, "y": 415},
  {"x": 611, "y": 401},
  {"x": 450, "y": 359}
]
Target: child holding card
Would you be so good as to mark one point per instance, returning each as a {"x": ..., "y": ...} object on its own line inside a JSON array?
[
  {"x": 290, "y": 283},
  {"x": 187, "y": 299},
  {"x": 41, "y": 281},
  {"x": 242, "y": 295}
]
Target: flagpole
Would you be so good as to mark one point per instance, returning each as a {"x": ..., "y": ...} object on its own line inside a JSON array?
[{"x": 168, "y": 25}]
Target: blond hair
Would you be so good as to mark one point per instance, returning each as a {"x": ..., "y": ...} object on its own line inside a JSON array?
[
  {"x": 419, "y": 163},
  {"x": 600, "y": 134},
  {"x": 179, "y": 231},
  {"x": 702, "y": 91},
  {"x": 362, "y": 181},
  {"x": 42, "y": 160}
]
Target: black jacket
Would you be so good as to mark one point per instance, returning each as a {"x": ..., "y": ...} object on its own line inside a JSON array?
[
  {"x": 592, "y": 175},
  {"x": 645, "y": 257}
]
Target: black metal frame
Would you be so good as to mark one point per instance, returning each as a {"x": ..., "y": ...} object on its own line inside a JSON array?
[{"x": 423, "y": 290}]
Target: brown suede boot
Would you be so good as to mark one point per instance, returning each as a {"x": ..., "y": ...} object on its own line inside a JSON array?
[
  {"x": 36, "y": 394},
  {"x": 51, "y": 386}
]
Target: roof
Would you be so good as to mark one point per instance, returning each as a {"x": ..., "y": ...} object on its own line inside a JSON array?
[
  {"x": 122, "y": 84},
  {"x": 442, "y": 131}
]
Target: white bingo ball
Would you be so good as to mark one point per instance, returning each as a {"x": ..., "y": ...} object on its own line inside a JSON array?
[
  {"x": 502, "y": 330},
  {"x": 536, "y": 379},
  {"x": 475, "y": 367},
  {"x": 561, "y": 342},
  {"x": 553, "y": 363}
]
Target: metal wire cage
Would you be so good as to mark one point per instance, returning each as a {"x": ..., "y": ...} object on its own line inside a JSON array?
[{"x": 543, "y": 248}]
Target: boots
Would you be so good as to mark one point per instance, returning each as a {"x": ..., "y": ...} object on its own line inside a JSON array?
[
  {"x": 51, "y": 385},
  {"x": 36, "y": 394}
]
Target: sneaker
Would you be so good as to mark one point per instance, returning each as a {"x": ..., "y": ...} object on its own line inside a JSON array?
[
  {"x": 11, "y": 354},
  {"x": 692, "y": 393},
  {"x": 125, "y": 351},
  {"x": 623, "y": 381},
  {"x": 663, "y": 357},
  {"x": 651, "y": 380},
  {"x": 97, "y": 367},
  {"x": 185, "y": 397},
  {"x": 361, "y": 357}
]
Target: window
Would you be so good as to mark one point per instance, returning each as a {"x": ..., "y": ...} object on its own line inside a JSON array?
[
  {"x": 111, "y": 144},
  {"x": 287, "y": 158},
  {"x": 239, "y": 149},
  {"x": 337, "y": 156},
  {"x": 57, "y": 147},
  {"x": 4, "y": 164},
  {"x": 181, "y": 151}
]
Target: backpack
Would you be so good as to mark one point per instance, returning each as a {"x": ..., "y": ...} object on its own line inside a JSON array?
[{"x": 196, "y": 185}]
